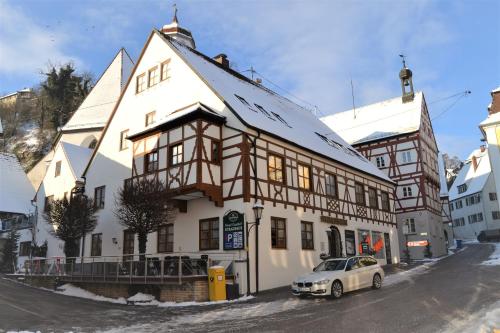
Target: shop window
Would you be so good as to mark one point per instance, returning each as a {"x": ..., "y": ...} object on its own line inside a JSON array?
[
  {"x": 275, "y": 168},
  {"x": 278, "y": 233},
  {"x": 99, "y": 193},
  {"x": 378, "y": 245},
  {"x": 96, "y": 245},
  {"x": 307, "y": 235},
  {"x": 209, "y": 234},
  {"x": 175, "y": 154},
  {"x": 364, "y": 240},
  {"x": 166, "y": 238},
  {"x": 151, "y": 161},
  {"x": 360, "y": 193},
  {"x": 331, "y": 185},
  {"x": 350, "y": 243},
  {"x": 372, "y": 197},
  {"x": 304, "y": 173}
]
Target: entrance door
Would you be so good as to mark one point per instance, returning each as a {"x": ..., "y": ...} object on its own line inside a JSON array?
[
  {"x": 334, "y": 242},
  {"x": 388, "y": 254}
]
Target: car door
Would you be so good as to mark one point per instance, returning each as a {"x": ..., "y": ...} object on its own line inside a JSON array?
[
  {"x": 369, "y": 270},
  {"x": 353, "y": 276}
]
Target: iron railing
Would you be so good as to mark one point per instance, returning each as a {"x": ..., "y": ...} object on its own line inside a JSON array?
[{"x": 156, "y": 268}]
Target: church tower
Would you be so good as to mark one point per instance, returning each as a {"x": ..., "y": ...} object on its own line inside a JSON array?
[
  {"x": 178, "y": 33},
  {"x": 405, "y": 75}
]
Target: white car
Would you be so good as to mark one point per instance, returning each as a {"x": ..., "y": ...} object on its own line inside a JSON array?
[{"x": 333, "y": 277}]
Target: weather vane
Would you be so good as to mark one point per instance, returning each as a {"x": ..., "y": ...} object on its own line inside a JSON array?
[
  {"x": 404, "y": 58},
  {"x": 175, "y": 12}
]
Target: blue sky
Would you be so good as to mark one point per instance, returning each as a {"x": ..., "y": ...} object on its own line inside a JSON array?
[{"x": 311, "y": 49}]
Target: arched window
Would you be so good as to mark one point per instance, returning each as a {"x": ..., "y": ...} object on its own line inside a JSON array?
[
  {"x": 90, "y": 142},
  {"x": 93, "y": 144}
]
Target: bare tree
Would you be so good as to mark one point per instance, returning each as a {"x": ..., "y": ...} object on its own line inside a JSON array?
[
  {"x": 72, "y": 220},
  {"x": 141, "y": 208}
]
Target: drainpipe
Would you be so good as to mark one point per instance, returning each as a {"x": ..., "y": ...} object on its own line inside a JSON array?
[{"x": 257, "y": 222}]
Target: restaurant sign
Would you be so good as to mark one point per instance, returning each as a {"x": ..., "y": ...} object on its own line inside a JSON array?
[
  {"x": 234, "y": 230},
  {"x": 332, "y": 220}
]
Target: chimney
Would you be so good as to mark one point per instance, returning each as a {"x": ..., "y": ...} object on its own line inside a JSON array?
[
  {"x": 222, "y": 59},
  {"x": 494, "y": 106},
  {"x": 474, "y": 162},
  {"x": 483, "y": 148}
]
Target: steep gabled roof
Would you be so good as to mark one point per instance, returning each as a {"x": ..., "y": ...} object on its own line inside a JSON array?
[
  {"x": 377, "y": 121},
  {"x": 474, "y": 179},
  {"x": 16, "y": 191},
  {"x": 97, "y": 106},
  {"x": 264, "y": 110},
  {"x": 77, "y": 157}
]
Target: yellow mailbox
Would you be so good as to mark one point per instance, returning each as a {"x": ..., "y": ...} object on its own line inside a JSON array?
[{"x": 216, "y": 283}]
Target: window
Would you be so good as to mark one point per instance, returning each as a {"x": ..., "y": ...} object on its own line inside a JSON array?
[
  {"x": 493, "y": 196},
  {"x": 479, "y": 217},
  {"x": 451, "y": 207},
  {"x": 264, "y": 111},
  {"x": 93, "y": 144},
  {"x": 153, "y": 76},
  {"x": 58, "y": 169},
  {"x": 141, "y": 83},
  {"x": 458, "y": 204},
  {"x": 350, "y": 243},
  {"x": 151, "y": 161},
  {"x": 216, "y": 152},
  {"x": 384, "y": 196},
  {"x": 307, "y": 235},
  {"x": 380, "y": 162},
  {"x": 123, "y": 140},
  {"x": 406, "y": 156},
  {"x": 411, "y": 225},
  {"x": 96, "y": 245},
  {"x": 209, "y": 234},
  {"x": 359, "y": 191},
  {"x": 24, "y": 249},
  {"x": 278, "y": 233},
  {"x": 495, "y": 215},
  {"x": 372, "y": 197},
  {"x": 407, "y": 192},
  {"x": 280, "y": 119},
  {"x": 462, "y": 188},
  {"x": 244, "y": 102},
  {"x": 164, "y": 70},
  {"x": 275, "y": 168},
  {"x": 166, "y": 238},
  {"x": 48, "y": 202},
  {"x": 304, "y": 173},
  {"x": 128, "y": 244},
  {"x": 175, "y": 154},
  {"x": 99, "y": 197},
  {"x": 150, "y": 118},
  {"x": 330, "y": 185}
]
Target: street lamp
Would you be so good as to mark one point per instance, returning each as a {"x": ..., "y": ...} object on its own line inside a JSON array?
[
  {"x": 257, "y": 212},
  {"x": 406, "y": 231}
]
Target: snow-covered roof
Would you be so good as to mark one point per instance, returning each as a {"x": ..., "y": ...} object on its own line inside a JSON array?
[
  {"x": 496, "y": 90},
  {"x": 269, "y": 112},
  {"x": 98, "y": 105},
  {"x": 16, "y": 191},
  {"x": 77, "y": 156},
  {"x": 376, "y": 121},
  {"x": 443, "y": 191},
  {"x": 474, "y": 179},
  {"x": 491, "y": 119}
]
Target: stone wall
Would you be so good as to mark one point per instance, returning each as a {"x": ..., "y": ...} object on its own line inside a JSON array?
[{"x": 196, "y": 291}]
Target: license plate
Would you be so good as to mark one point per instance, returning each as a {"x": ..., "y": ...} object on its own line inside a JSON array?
[{"x": 304, "y": 289}]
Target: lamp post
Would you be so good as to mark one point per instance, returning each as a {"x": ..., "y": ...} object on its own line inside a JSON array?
[
  {"x": 257, "y": 211},
  {"x": 406, "y": 231}
]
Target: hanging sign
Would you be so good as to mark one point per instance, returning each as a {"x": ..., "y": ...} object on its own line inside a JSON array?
[{"x": 234, "y": 231}]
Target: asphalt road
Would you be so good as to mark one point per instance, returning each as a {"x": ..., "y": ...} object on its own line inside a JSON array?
[{"x": 448, "y": 292}]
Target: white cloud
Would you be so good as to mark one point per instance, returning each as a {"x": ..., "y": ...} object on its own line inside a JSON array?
[{"x": 27, "y": 47}]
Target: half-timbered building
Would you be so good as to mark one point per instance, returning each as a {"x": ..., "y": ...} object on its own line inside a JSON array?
[
  {"x": 221, "y": 142},
  {"x": 396, "y": 135}
]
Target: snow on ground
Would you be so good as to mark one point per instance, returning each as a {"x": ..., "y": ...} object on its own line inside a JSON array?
[
  {"x": 226, "y": 314},
  {"x": 494, "y": 259},
  {"x": 485, "y": 321},
  {"x": 71, "y": 290}
]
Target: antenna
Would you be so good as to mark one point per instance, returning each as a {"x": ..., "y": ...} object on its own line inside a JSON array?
[
  {"x": 353, "y": 106},
  {"x": 175, "y": 13},
  {"x": 404, "y": 60}
]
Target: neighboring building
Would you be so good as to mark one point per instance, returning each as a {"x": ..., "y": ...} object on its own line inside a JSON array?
[
  {"x": 17, "y": 98},
  {"x": 490, "y": 128},
  {"x": 222, "y": 142},
  {"x": 473, "y": 197},
  {"x": 397, "y": 136},
  {"x": 445, "y": 203},
  {"x": 16, "y": 194},
  {"x": 84, "y": 128}
]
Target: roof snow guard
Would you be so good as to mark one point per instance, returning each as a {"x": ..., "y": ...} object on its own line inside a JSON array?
[{"x": 265, "y": 111}]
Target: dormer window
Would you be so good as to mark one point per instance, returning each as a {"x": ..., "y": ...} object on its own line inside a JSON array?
[
  {"x": 280, "y": 119},
  {"x": 462, "y": 188},
  {"x": 264, "y": 111},
  {"x": 244, "y": 102}
]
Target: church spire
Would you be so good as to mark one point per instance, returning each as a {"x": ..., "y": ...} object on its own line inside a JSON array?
[
  {"x": 406, "y": 77},
  {"x": 175, "y": 31}
]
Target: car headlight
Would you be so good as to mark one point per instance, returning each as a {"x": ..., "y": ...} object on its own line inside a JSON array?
[
  {"x": 321, "y": 282},
  {"x": 294, "y": 283}
]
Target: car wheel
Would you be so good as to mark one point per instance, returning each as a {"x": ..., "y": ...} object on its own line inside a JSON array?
[
  {"x": 377, "y": 281},
  {"x": 337, "y": 289}
]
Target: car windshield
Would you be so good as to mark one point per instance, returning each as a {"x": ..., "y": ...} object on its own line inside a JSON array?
[{"x": 331, "y": 265}]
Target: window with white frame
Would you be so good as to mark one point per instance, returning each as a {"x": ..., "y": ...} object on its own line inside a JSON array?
[
  {"x": 406, "y": 156},
  {"x": 380, "y": 162},
  {"x": 410, "y": 222},
  {"x": 407, "y": 192}
]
